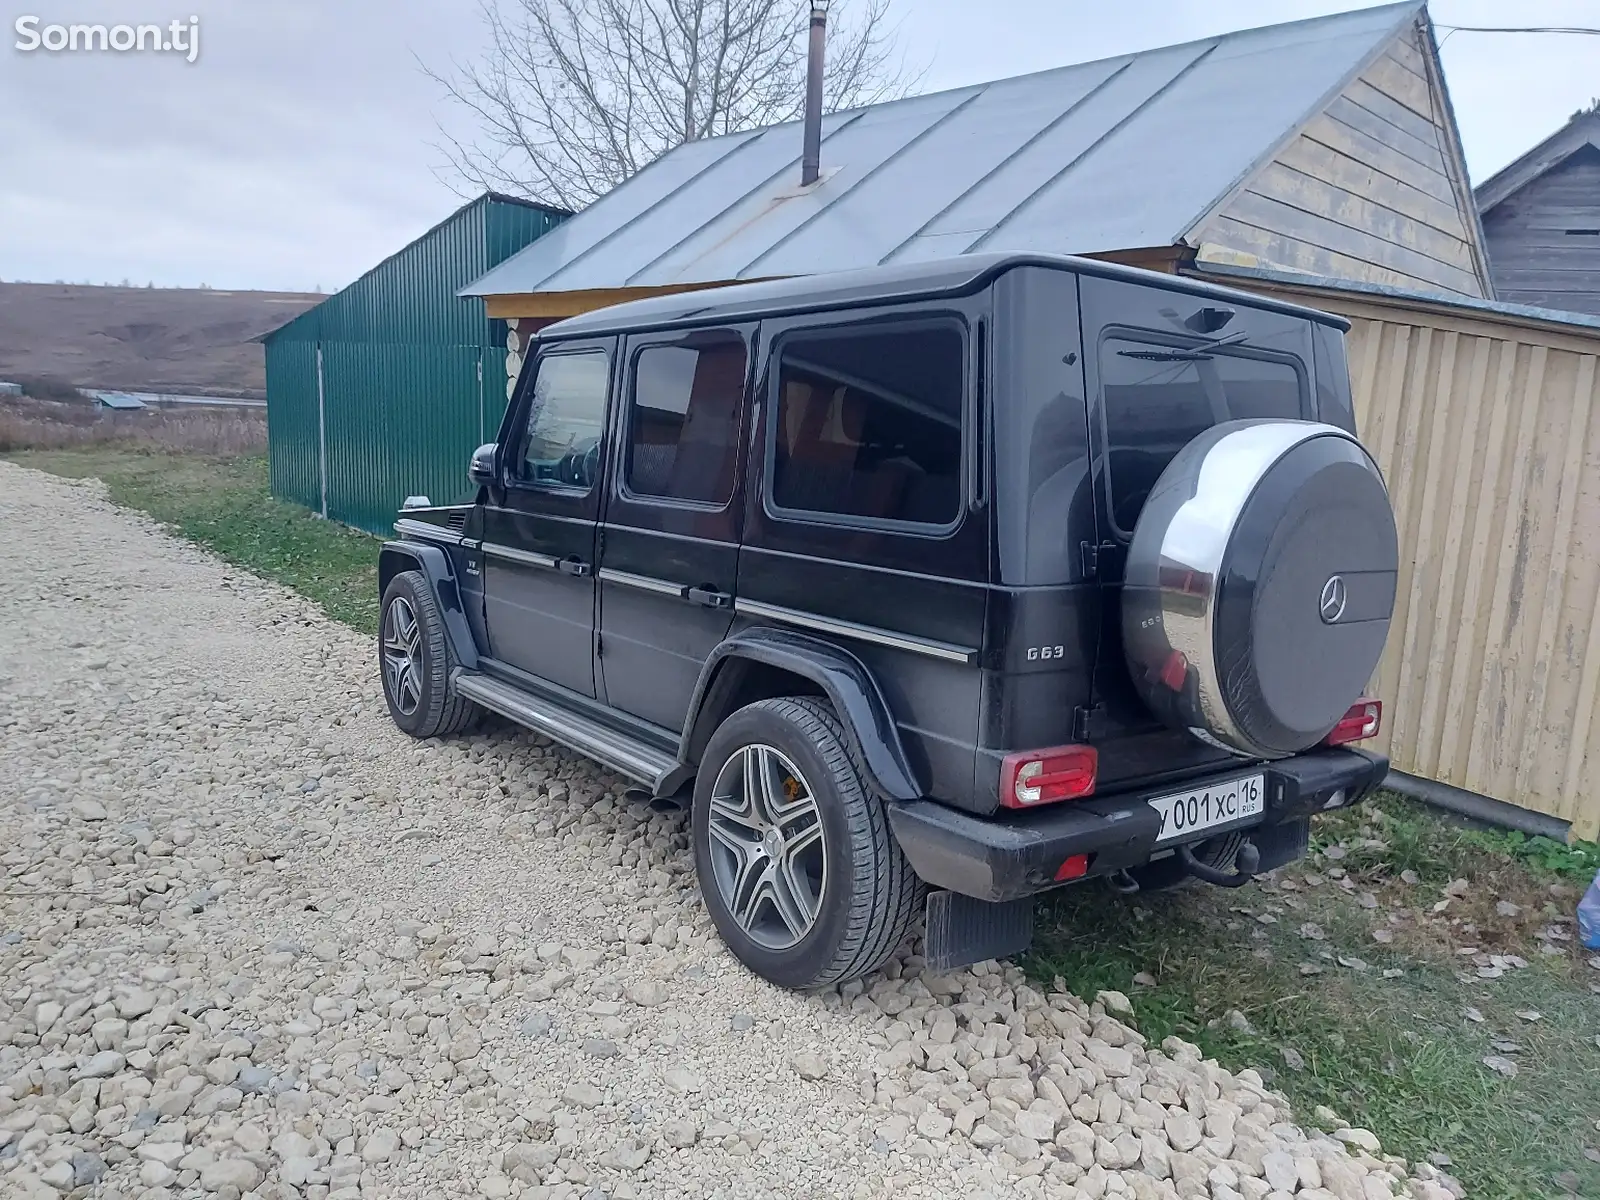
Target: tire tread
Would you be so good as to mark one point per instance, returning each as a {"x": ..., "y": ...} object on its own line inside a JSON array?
[
  {"x": 886, "y": 892},
  {"x": 443, "y": 712}
]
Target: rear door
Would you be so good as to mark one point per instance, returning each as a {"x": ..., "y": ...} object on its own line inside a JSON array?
[
  {"x": 669, "y": 554},
  {"x": 862, "y": 526},
  {"x": 1160, "y": 368}
]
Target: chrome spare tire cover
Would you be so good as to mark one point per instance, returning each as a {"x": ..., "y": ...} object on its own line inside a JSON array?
[{"x": 1260, "y": 584}]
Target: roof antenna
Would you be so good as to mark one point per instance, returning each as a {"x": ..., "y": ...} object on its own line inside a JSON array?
[{"x": 811, "y": 161}]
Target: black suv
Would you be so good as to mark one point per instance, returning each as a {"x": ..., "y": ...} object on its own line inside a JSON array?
[{"x": 930, "y": 588}]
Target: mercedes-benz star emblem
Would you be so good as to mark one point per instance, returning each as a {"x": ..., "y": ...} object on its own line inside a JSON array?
[{"x": 1334, "y": 597}]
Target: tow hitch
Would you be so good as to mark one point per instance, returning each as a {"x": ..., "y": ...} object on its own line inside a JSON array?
[{"x": 1246, "y": 862}]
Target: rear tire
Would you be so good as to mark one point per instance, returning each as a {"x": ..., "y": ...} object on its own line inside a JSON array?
[
  {"x": 415, "y": 660},
  {"x": 807, "y": 886}
]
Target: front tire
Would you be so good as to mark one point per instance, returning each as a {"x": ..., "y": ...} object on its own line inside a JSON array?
[
  {"x": 800, "y": 873},
  {"x": 415, "y": 659}
]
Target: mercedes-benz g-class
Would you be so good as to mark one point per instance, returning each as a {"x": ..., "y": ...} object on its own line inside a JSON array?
[{"x": 930, "y": 588}]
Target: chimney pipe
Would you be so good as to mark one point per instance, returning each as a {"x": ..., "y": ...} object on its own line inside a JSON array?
[{"x": 811, "y": 159}]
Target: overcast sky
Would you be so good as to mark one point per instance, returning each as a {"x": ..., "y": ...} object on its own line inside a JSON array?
[{"x": 296, "y": 151}]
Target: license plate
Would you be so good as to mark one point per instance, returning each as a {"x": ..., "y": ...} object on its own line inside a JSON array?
[{"x": 1205, "y": 808}]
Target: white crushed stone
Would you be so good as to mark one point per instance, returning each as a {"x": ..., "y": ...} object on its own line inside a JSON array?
[{"x": 255, "y": 942}]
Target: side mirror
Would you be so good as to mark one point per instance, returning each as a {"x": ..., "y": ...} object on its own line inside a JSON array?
[{"x": 481, "y": 469}]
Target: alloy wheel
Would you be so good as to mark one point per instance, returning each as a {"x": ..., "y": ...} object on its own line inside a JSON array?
[
  {"x": 769, "y": 861},
  {"x": 402, "y": 655}
]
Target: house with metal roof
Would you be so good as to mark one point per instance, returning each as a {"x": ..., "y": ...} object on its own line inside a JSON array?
[
  {"x": 119, "y": 401},
  {"x": 1325, "y": 147},
  {"x": 1541, "y": 219}
]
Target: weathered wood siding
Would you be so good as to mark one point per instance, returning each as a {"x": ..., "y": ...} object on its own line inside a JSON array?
[
  {"x": 1544, "y": 241},
  {"x": 1488, "y": 432},
  {"x": 1372, "y": 190}
]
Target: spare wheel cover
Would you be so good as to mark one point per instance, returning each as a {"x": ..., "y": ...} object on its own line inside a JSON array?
[{"x": 1260, "y": 584}]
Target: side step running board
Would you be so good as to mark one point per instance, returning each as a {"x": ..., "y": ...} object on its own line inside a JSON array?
[{"x": 623, "y": 754}]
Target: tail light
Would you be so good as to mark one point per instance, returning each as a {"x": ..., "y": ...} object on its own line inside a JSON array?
[
  {"x": 1074, "y": 867},
  {"x": 1032, "y": 777},
  {"x": 1175, "y": 672},
  {"x": 1363, "y": 721}
]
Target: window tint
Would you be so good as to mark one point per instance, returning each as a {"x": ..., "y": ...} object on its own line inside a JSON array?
[
  {"x": 1158, "y": 398},
  {"x": 561, "y": 441},
  {"x": 869, "y": 423},
  {"x": 683, "y": 429}
]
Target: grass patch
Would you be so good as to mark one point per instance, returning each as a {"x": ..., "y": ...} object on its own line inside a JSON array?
[
  {"x": 1577, "y": 862},
  {"x": 30, "y": 423},
  {"x": 1411, "y": 837},
  {"x": 1259, "y": 977},
  {"x": 225, "y": 505}
]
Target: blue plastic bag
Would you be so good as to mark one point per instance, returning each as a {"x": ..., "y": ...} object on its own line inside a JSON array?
[{"x": 1589, "y": 916}]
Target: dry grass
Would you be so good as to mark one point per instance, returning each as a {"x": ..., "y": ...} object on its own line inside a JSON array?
[
  {"x": 29, "y": 424},
  {"x": 48, "y": 387},
  {"x": 141, "y": 339}
]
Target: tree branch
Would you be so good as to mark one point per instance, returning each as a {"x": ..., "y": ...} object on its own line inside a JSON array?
[{"x": 572, "y": 97}]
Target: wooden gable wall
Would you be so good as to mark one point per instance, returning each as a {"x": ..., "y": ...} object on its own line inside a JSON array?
[
  {"x": 1544, "y": 240},
  {"x": 1372, "y": 189}
]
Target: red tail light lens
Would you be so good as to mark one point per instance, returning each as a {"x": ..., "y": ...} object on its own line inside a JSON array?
[
  {"x": 1363, "y": 721},
  {"x": 1075, "y": 867},
  {"x": 1033, "y": 777},
  {"x": 1175, "y": 673}
]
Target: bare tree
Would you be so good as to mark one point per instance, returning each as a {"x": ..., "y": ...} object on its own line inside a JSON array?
[{"x": 574, "y": 96}]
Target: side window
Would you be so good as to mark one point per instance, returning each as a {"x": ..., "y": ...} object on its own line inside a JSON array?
[
  {"x": 868, "y": 422},
  {"x": 683, "y": 418},
  {"x": 1158, "y": 398},
  {"x": 561, "y": 442}
]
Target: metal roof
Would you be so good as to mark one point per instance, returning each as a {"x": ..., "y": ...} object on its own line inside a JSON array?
[
  {"x": 117, "y": 400},
  {"x": 1122, "y": 153},
  {"x": 879, "y": 285},
  {"x": 1583, "y": 131}
]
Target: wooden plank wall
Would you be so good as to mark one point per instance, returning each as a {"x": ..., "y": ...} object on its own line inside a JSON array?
[
  {"x": 1488, "y": 432},
  {"x": 1368, "y": 191},
  {"x": 1544, "y": 241}
]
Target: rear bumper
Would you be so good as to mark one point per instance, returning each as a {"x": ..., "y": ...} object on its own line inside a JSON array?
[{"x": 1005, "y": 858}]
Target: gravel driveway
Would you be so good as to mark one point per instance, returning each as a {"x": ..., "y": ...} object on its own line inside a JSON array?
[{"x": 255, "y": 941}]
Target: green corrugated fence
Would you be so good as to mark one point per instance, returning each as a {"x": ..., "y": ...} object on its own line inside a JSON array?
[{"x": 383, "y": 390}]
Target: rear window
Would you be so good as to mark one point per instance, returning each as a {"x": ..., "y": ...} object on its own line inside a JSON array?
[
  {"x": 684, "y": 420},
  {"x": 868, "y": 422},
  {"x": 1158, "y": 398}
]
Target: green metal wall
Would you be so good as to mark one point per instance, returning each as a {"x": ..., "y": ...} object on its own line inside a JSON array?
[
  {"x": 293, "y": 445},
  {"x": 413, "y": 377},
  {"x": 405, "y": 424}
]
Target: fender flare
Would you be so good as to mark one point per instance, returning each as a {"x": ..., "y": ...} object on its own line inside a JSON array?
[
  {"x": 844, "y": 680},
  {"x": 437, "y": 567}
]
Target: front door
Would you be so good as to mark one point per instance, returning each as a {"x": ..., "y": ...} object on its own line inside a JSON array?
[
  {"x": 670, "y": 541},
  {"x": 539, "y": 524}
]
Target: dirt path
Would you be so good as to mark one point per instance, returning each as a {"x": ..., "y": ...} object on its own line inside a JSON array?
[{"x": 253, "y": 941}]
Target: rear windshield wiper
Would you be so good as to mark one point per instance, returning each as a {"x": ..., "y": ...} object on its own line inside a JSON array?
[
  {"x": 1177, "y": 355},
  {"x": 1165, "y": 355}
]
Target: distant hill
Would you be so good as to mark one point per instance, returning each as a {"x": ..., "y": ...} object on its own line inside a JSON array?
[{"x": 141, "y": 339}]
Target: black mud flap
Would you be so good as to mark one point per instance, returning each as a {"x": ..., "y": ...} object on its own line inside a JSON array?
[
  {"x": 962, "y": 931},
  {"x": 1282, "y": 844}
]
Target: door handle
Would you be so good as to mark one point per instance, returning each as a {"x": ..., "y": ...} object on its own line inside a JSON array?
[
  {"x": 574, "y": 566},
  {"x": 710, "y": 597}
]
